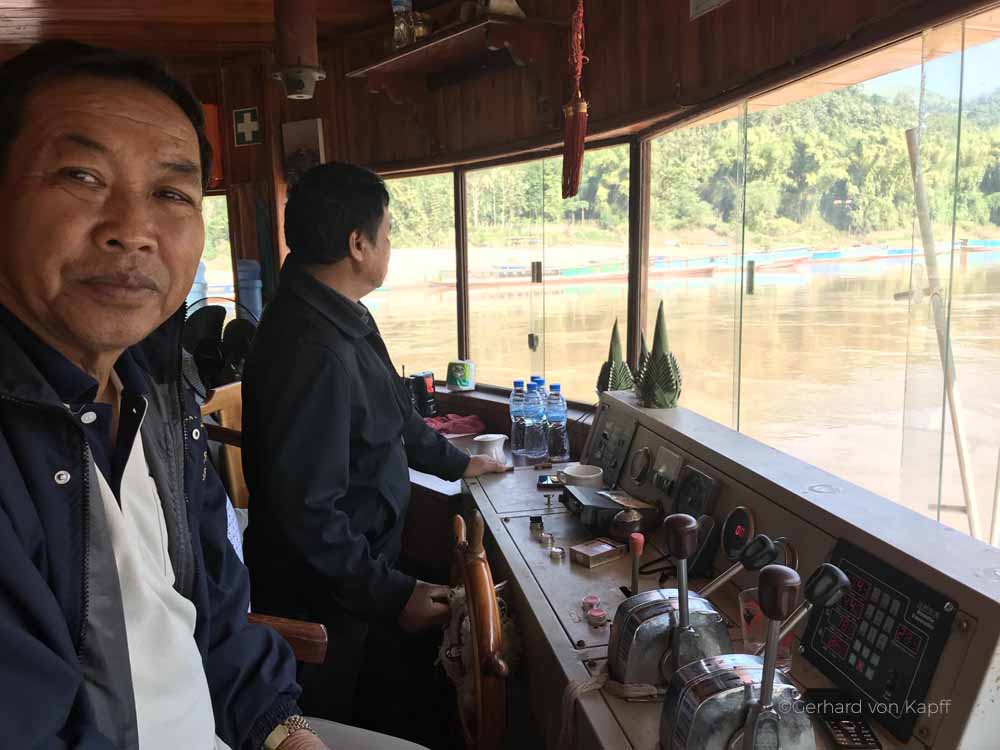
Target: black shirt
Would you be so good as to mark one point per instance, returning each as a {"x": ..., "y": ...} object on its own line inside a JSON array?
[{"x": 77, "y": 390}]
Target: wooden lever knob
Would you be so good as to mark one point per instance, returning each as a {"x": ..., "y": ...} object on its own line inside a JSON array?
[
  {"x": 682, "y": 535},
  {"x": 778, "y": 591}
]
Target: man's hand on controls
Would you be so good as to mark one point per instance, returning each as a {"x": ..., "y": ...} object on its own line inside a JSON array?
[
  {"x": 479, "y": 465},
  {"x": 303, "y": 741},
  {"x": 426, "y": 608}
]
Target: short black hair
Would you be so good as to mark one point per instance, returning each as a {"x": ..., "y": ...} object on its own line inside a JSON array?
[
  {"x": 60, "y": 60},
  {"x": 327, "y": 204}
]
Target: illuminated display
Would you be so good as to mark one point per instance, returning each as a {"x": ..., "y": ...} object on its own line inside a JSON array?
[
  {"x": 737, "y": 531},
  {"x": 835, "y": 645},
  {"x": 853, "y": 605},
  {"x": 908, "y": 639},
  {"x": 861, "y": 586},
  {"x": 844, "y": 624}
]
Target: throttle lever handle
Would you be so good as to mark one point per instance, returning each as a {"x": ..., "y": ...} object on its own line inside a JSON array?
[
  {"x": 826, "y": 585},
  {"x": 824, "y": 588},
  {"x": 760, "y": 551}
]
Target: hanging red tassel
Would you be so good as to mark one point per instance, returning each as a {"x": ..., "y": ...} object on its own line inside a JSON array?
[{"x": 575, "y": 111}]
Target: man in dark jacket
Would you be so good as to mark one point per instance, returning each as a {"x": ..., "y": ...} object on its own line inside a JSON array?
[
  {"x": 122, "y": 604},
  {"x": 328, "y": 434}
]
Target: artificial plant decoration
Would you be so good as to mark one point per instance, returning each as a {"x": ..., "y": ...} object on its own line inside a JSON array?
[
  {"x": 615, "y": 375},
  {"x": 643, "y": 359},
  {"x": 659, "y": 386}
]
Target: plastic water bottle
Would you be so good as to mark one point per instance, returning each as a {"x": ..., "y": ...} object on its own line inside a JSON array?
[
  {"x": 540, "y": 381},
  {"x": 517, "y": 418},
  {"x": 536, "y": 439},
  {"x": 555, "y": 415}
]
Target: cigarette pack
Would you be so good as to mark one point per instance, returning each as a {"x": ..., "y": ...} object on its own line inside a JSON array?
[{"x": 597, "y": 552}]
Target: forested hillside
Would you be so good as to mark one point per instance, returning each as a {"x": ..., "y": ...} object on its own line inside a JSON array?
[{"x": 833, "y": 168}]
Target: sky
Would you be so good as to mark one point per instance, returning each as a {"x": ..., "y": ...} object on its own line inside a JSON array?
[{"x": 981, "y": 66}]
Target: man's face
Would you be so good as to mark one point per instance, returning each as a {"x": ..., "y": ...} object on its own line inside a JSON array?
[
  {"x": 100, "y": 204},
  {"x": 381, "y": 249}
]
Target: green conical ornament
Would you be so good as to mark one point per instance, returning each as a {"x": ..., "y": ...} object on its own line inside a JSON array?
[
  {"x": 615, "y": 375},
  {"x": 660, "y": 383},
  {"x": 643, "y": 359}
]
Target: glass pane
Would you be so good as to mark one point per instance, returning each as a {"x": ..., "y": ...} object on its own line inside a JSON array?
[
  {"x": 586, "y": 279},
  {"x": 934, "y": 147},
  {"x": 217, "y": 257},
  {"x": 416, "y": 307},
  {"x": 505, "y": 209},
  {"x": 695, "y": 256},
  {"x": 974, "y": 302},
  {"x": 829, "y": 220}
]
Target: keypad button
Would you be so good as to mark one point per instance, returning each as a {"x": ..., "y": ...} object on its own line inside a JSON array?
[
  {"x": 860, "y": 666},
  {"x": 894, "y": 608},
  {"x": 872, "y": 635},
  {"x": 869, "y": 674},
  {"x": 885, "y": 600},
  {"x": 879, "y": 616},
  {"x": 876, "y": 658},
  {"x": 852, "y": 659},
  {"x": 869, "y": 611},
  {"x": 876, "y": 593},
  {"x": 857, "y": 645},
  {"x": 882, "y": 641},
  {"x": 863, "y": 628},
  {"x": 889, "y": 625},
  {"x": 866, "y": 652}
]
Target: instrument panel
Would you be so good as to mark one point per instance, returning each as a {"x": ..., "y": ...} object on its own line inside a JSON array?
[
  {"x": 892, "y": 640},
  {"x": 883, "y": 639}
]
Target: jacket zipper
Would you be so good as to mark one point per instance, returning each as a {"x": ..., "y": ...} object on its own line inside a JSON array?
[
  {"x": 184, "y": 448},
  {"x": 85, "y": 522}
]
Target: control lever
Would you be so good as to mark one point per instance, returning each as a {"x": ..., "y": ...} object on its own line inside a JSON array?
[
  {"x": 777, "y": 591},
  {"x": 636, "y": 541},
  {"x": 823, "y": 589},
  {"x": 760, "y": 551},
  {"x": 682, "y": 543}
]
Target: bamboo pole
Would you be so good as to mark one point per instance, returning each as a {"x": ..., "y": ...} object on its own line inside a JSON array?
[
  {"x": 952, "y": 394},
  {"x": 994, "y": 531}
]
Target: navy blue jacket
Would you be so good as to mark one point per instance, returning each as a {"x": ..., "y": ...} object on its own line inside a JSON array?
[{"x": 65, "y": 680}]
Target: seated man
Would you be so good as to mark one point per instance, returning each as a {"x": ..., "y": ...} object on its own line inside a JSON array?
[
  {"x": 328, "y": 433},
  {"x": 122, "y": 605}
]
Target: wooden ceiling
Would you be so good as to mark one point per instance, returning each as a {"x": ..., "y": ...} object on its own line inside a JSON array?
[{"x": 174, "y": 28}]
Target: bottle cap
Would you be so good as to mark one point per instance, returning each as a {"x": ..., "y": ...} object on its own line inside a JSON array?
[
  {"x": 532, "y": 387},
  {"x": 554, "y": 388},
  {"x": 596, "y": 617},
  {"x": 589, "y": 602},
  {"x": 535, "y": 378},
  {"x": 519, "y": 384},
  {"x": 557, "y": 553}
]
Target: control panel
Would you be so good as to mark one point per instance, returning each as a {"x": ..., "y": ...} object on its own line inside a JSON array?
[
  {"x": 883, "y": 639},
  {"x": 610, "y": 440}
]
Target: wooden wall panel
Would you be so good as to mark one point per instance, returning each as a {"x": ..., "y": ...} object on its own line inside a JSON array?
[{"x": 648, "y": 63}]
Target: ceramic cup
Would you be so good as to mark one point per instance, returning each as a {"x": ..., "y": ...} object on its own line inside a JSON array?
[
  {"x": 492, "y": 446},
  {"x": 582, "y": 475}
]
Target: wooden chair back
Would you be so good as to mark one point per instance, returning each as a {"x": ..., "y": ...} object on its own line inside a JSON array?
[
  {"x": 485, "y": 726},
  {"x": 226, "y": 403}
]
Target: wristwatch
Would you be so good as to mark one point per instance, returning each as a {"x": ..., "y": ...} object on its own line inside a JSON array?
[{"x": 286, "y": 729}]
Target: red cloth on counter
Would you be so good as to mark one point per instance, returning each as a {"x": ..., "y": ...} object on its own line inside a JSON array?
[{"x": 456, "y": 424}]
